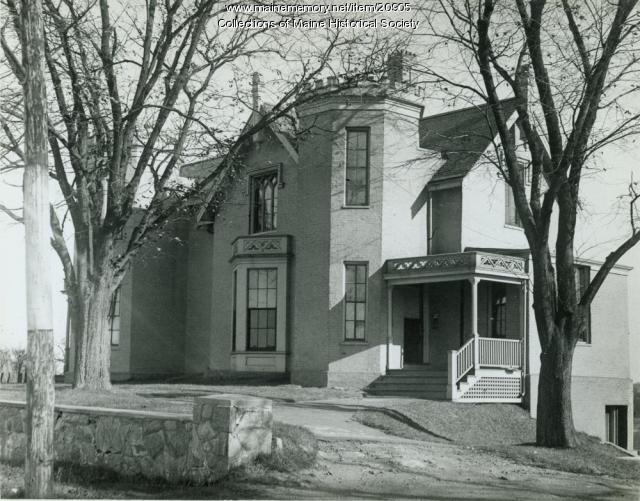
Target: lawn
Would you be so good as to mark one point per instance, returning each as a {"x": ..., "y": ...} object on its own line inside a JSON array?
[
  {"x": 501, "y": 430},
  {"x": 469, "y": 424},
  {"x": 177, "y": 397}
]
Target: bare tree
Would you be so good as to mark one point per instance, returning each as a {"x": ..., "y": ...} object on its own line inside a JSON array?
[
  {"x": 138, "y": 89},
  {"x": 582, "y": 57}
]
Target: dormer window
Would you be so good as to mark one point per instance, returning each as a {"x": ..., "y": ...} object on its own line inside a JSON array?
[
  {"x": 357, "y": 168},
  {"x": 264, "y": 202}
]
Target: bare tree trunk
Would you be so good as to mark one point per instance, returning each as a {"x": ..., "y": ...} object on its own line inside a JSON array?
[
  {"x": 90, "y": 325},
  {"x": 555, "y": 419},
  {"x": 40, "y": 384}
]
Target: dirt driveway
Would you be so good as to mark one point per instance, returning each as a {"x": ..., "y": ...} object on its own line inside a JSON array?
[
  {"x": 356, "y": 461},
  {"x": 421, "y": 470}
]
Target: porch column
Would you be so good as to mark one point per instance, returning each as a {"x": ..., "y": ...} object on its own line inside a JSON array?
[
  {"x": 524, "y": 304},
  {"x": 474, "y": 320},
  {"x": 389, "y": 322}
]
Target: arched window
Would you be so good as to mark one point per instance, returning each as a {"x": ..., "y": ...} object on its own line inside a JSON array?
[{"x": 264, "y": 202}]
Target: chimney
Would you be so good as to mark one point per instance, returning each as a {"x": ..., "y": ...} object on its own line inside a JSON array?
[
  {"x": 522, "y": 81},
  {"x": 399, "y": 65},
  {"x": 255, "y": 91}
]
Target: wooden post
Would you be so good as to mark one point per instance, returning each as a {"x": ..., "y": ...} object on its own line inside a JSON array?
[
  {"x": 40, "y": 383},
  {"x": 524, "y": 304},
  {"x": 452, "y": 393},
  {"x": 389, "y": 322},
  {"x": 474, "y": 322}
]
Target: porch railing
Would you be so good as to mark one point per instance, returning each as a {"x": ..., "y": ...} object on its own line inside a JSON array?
[
  {"x": 481, "y": 352},
  {"x": 464, "y": 359},
  {"x": 500, "y": 352}
]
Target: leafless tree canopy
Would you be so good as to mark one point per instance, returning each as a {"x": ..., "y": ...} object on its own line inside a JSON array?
[
  {"x": 572, "y": 69},
  {"x": 135, "y": 89}
]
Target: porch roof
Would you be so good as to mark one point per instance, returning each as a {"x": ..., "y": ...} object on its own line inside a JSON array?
[{"x": 456, "y": 266}]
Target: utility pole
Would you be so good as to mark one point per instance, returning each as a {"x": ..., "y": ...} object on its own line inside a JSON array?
[{"x": 40, "y": 374}]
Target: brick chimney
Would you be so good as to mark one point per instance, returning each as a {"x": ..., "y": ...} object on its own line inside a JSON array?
[
  {"x": 255, "y": 91},
  {"x": 399, "y": 65}
]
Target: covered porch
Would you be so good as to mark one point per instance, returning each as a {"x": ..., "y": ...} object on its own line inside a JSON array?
[{"x": 463, "y": 316}]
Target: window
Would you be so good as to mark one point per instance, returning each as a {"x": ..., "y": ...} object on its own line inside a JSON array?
[
  {"x": 355, "y": 301},
  {"x": 261, "y": 309},
  {"x": 114, "y": 318},
  {"x": 234, "y": 291},
  {"x": 498, "y": 312},
  {"x": 615, "y": 422},
  {"x": 582, "y": 279},
  {"x": 526, "y": 172},
  {"x": 512, "y": 217},
  {"x": 264, "y": 202},
  {"x": 357, "y": 168}
]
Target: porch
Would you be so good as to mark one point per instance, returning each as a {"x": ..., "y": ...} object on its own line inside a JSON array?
[{"x": 456, "y": 327}]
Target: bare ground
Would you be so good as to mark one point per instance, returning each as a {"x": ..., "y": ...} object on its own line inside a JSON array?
[
  {"x": 370, "y": 470},
  {"x": 438, "y": 458}
]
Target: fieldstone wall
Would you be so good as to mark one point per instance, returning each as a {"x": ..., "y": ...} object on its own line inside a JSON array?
[{"x": 224, "y": 431}]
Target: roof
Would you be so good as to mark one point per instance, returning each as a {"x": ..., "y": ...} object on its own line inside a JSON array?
[
  {"x": 462, "y": 136},
  {"x": 201, "y": 168}
]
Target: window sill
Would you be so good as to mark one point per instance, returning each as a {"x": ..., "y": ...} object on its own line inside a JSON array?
[
  {"x": 354, "y": 343},
  {"x": 514, "y": 227},
  {"x": 584, "y": 344},
  {"x": 259, "y": 233},
  {"x": 259, "y": 352},
  {"x": 356, "y": 206}
]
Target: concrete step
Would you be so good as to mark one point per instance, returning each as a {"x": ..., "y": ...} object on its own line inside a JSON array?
[
  {"x": 417, "y": 371},
  {"x": 417, "y": 374},
  {"x": 411, "y": 381},
  {"x": 429, "y": 395}
]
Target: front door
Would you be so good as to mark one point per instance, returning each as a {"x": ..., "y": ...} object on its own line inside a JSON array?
[{"x": 412, "y": 341}]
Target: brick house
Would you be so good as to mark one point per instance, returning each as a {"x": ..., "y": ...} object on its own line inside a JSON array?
[{"x": 378, "y": 249}]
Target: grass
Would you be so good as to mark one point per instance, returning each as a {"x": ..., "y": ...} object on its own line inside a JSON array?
[
  {"x": 511, "y": 435},
  {"x": 471, "y": 424},
  {"x": 176, "y": 397},
  {"x": 299, "y": 449}
]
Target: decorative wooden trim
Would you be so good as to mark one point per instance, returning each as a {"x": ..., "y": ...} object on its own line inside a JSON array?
[{"x": 262, "y": 245}]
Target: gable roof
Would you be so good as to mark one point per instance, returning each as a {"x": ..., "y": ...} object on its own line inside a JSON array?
[{"x": 461, "y": 136}]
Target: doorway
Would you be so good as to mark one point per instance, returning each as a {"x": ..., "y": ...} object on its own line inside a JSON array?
[
  {"x": 413, "y": 342},
  {"x": 616, "y": 424}
]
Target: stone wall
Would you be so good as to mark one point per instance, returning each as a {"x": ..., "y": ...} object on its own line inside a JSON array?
[{"x": 225, "y": 431}]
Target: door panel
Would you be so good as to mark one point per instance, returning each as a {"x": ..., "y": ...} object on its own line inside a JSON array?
[{"x": 412, "y": 341}]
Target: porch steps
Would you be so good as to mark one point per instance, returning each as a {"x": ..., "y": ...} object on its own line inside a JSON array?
[{"x": 411, "y": 382}]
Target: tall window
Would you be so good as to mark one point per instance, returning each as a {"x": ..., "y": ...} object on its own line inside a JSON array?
[
  {"x": 234, "y": 292},
  {"x": 114, "y": 318},
  {"x": 582, "y": 278},
  {"x": 264, "y": 202},
  {"x": 355, "y": 301},
  {"x": 357, "y": 168},
  {"x": 261, "y": 309},
  {"x": 498, "y": 310},
  {"x": 512, "y": 217}
]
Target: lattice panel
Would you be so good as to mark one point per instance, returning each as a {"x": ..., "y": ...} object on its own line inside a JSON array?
[
  {"x": 492, "y": 388},
  {"x": 504, "y": 263},
  {"x": 435, "y": 262}
]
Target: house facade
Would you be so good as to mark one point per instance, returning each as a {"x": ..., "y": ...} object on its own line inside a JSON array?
[{"x": 374, "y": 246}]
